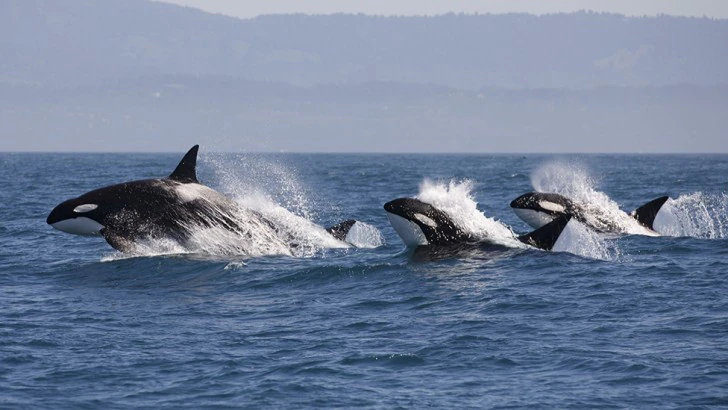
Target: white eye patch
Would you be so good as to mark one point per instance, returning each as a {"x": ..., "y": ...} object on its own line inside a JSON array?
[
  {"x": 425, "y": 220},
  {"x": 85, "y": 208},
  {"x": 551, "y": 206}
]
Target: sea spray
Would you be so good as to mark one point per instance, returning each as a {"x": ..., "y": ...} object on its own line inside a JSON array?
[
  {"x": 698, "y": 215},
  {"x": 251, "y": 176},
  {"x": 455, "y": 199}
]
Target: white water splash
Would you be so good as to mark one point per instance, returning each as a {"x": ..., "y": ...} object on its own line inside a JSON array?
[
  {"x": 363, "y": 235},
  {"x": 578, "y": 239},
  {"x": 251, "y": 176},
  {"x": 698, "y": 215},
  {"x": 575, "y": 183},
  {"x": 455, "y": 199}
]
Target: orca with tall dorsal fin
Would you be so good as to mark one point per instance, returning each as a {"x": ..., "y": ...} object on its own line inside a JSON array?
[
  {"x": 421, "y": 224},
  {"x": 538, "y": 209},
  {"x": 171, "y": 207}
]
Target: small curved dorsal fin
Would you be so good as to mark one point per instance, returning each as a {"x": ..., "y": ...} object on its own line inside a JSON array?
[{"x": 186, "y": 171}]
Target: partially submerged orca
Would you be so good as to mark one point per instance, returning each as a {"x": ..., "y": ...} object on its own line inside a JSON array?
[
  {"x": 538, "y": 209},
  {"x": 172, "y": 207},
  {"x": 421, "y": 224}
]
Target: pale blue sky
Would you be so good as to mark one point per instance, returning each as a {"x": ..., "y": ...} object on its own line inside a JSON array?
[{"x": 252, "y": 8}]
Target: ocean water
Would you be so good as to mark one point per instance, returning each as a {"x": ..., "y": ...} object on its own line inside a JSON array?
[{"x": 628, "y": 321}]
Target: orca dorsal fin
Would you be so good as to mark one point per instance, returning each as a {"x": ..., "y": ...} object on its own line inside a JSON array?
[
  {"x": 646, "y": 214},
  {"x": 546, "y": 236},
  {"x": 341, "y": 229},
  {"x": 186, "y": 171}
]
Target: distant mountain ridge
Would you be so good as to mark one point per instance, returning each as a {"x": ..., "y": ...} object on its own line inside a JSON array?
[{"x": 76, "y": 42}]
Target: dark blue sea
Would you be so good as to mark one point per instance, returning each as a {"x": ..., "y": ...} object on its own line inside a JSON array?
[{"x": 617, "y": 321}]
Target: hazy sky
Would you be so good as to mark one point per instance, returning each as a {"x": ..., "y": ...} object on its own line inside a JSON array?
[{"x": 252, "y": 8}]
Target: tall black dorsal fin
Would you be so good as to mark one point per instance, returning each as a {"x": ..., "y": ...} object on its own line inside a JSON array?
[
  {"x": 186, "y": 171},
  {"x": 646, "y": 214},
  {"x": 546, "y": 236}
]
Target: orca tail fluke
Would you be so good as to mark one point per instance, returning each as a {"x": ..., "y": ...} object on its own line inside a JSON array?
[
  {"x": 186, "y": 171},
  {"x": 341, "y": 229},
  {"x": 546, "y": 236},
  {"x": 646, "y": 214}
]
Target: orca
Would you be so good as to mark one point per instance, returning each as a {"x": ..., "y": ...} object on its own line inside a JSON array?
[
  {"x": 171, "y": 207},
  {"x": 421, "y": 224},
  {"x": 538, "y": 209}
]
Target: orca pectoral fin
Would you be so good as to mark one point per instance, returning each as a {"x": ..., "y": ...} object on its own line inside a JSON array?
[
  {"x": 646, "y": 214},
  {"x": 186, "y": 171},
  {"x": 546, "y": 236},
  {"x": 341, "y": 229},
  {"x": 117, "y": 241}
]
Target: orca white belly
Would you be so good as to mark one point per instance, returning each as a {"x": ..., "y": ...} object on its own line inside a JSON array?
[
  {"x": 79, "y": 226},
  {"x": 532, "y": 217},
  {"x": 410, "y": 233}
]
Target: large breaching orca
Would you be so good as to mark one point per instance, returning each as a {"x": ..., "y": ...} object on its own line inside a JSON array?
[
  {"x": 172, "y": 207},
  {"x": 421, "y": 224},
  {"x": 538, "y": 209}
]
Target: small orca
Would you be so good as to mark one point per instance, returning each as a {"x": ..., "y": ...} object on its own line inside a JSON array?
[
  {"x": 538, "y": 209},
  {"x": 421, "y": 224},
  {"x": 170, "y": 207}
]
